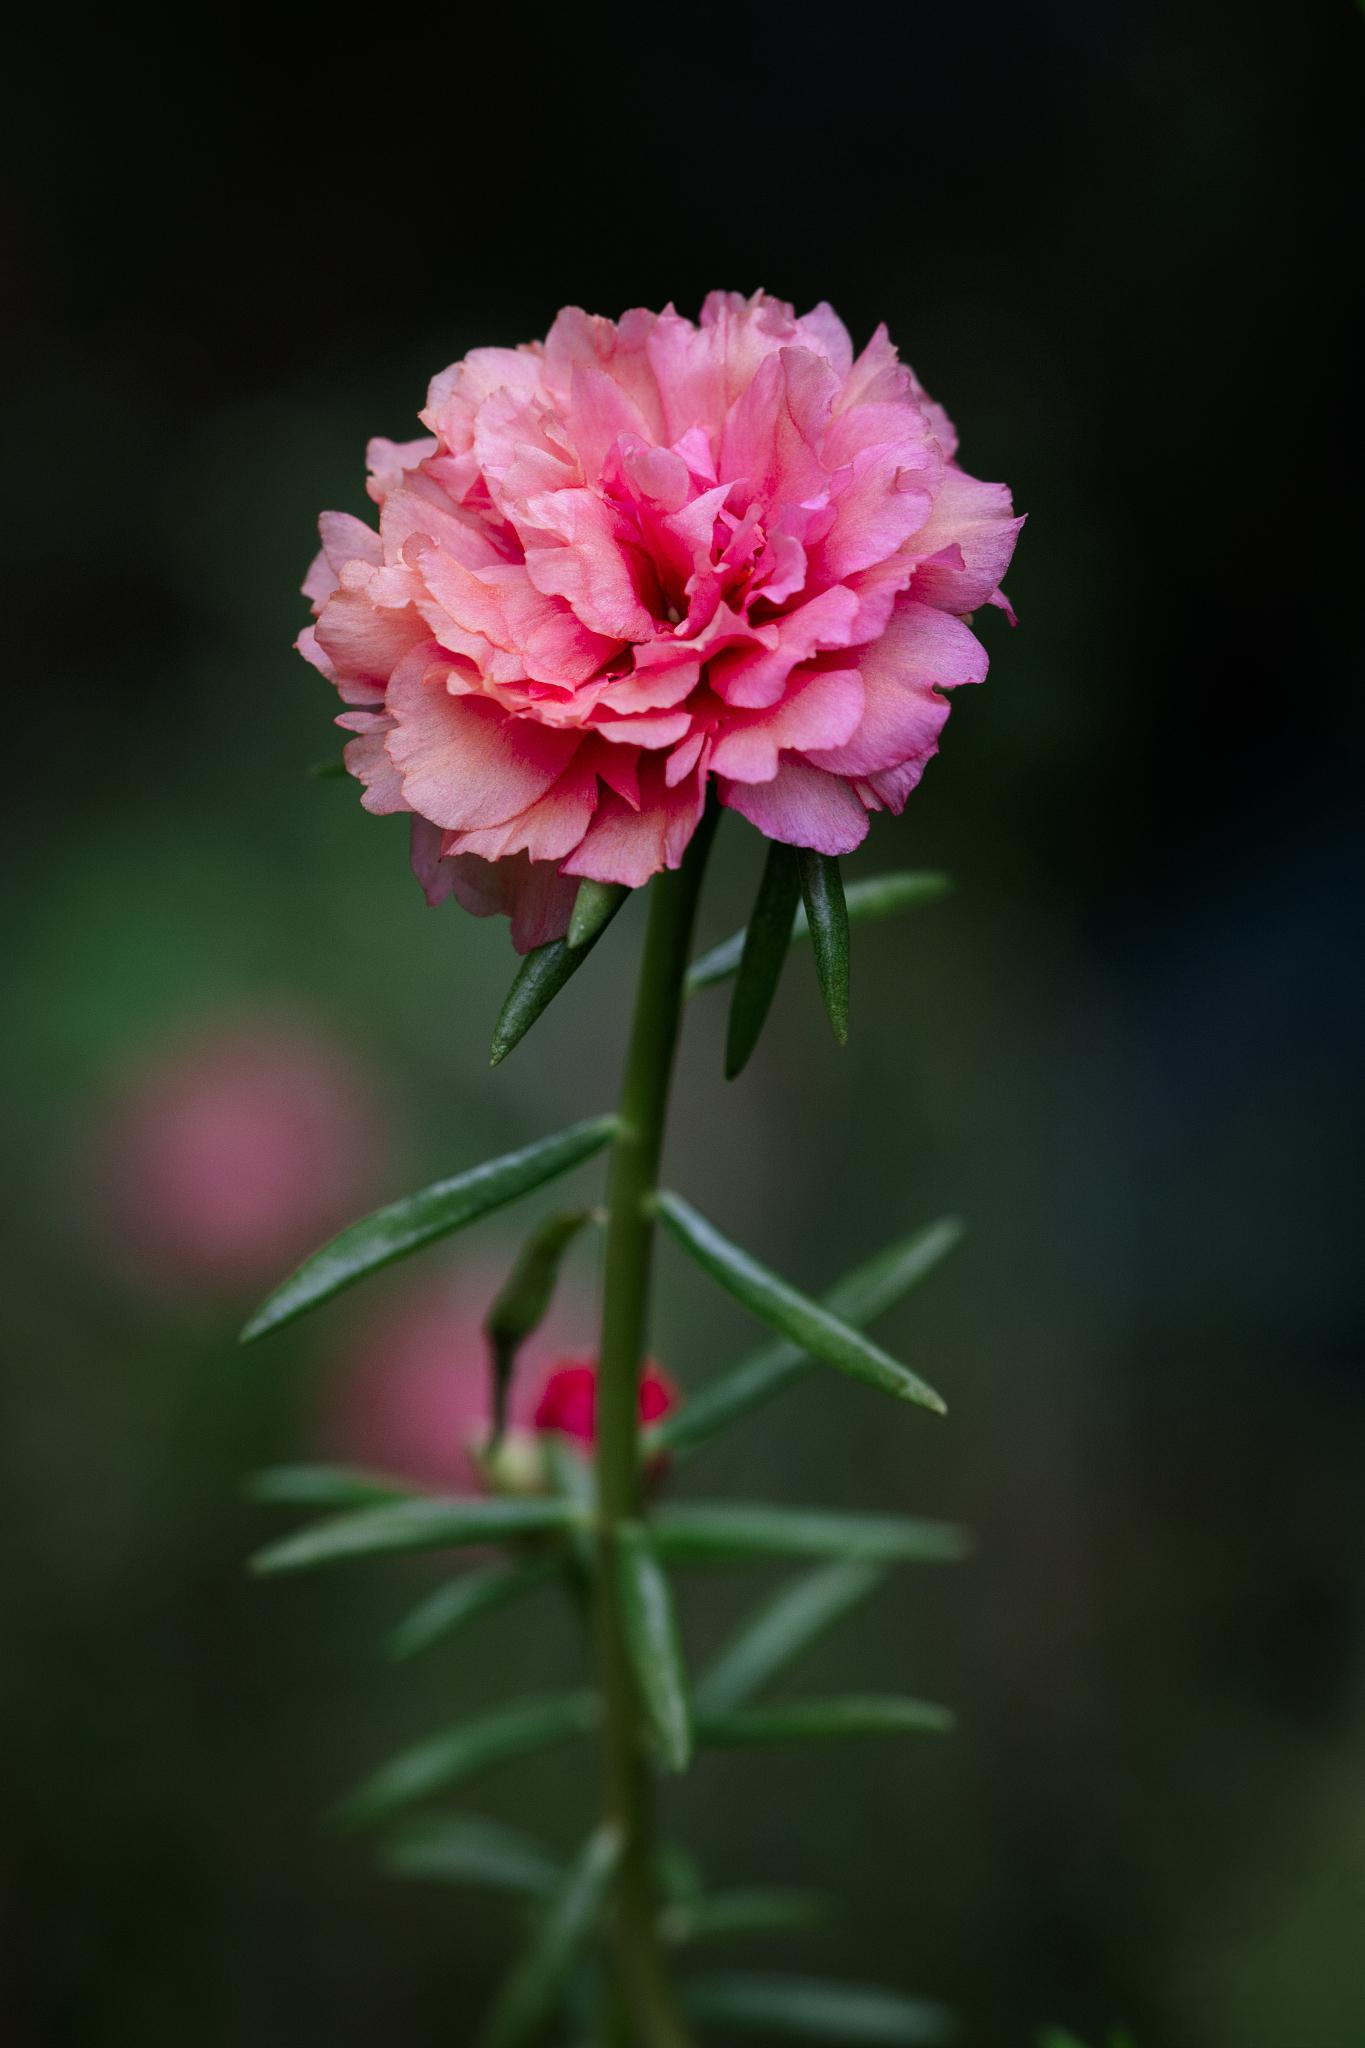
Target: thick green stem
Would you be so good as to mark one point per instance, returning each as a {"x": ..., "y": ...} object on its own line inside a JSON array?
[{"x": 645, "y": 1978}]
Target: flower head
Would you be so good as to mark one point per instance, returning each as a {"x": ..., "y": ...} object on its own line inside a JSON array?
[{"x": 641, "y": 558}]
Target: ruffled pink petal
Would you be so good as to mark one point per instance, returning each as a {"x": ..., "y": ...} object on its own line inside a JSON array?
[
  {"x": 466, "y": 764},
  {"x": 772, "y": 437},
  {"x": 822, "y": 709},
  {"x": 363, "y": 641},
  {"x": 425, "y": 849},
  {"x": 537, "y": 898},
  {"x": 367, "y": 759},
  {"x": 749, "y": 678},
  {"x": 595, "y": 568},
  {"x": 977, "y": 522},
  {"x": 625, "y": 845},
  {"x": 802, "y": 807},
  {"x": 390, "y": 462},
  {"x": 822, "y": 329},
  {"x": 549, "y": 828},
  {"x": 500, "y": 610},
  {"x": 903, "y": 713}
]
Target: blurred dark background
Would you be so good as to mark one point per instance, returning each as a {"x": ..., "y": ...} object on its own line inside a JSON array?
[{"x": 1116, "y": 244}]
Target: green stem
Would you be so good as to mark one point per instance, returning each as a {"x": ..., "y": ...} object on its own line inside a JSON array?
[{"x": 644, "y": 1973}]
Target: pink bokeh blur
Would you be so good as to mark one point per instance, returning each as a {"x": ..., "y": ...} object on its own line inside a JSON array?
[
  {"x": 230, "y": 1151},
  {"x": 410, "y": 1391}
]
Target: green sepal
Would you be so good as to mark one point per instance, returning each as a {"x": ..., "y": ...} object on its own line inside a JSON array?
[
  {"x": 822, "y": 892},
  {"x": 654, "y": 1644},
  {"x": 784, "y": 1626},
  {"x": 404, "y": 1226},
  {"x": 332, "y": 769},
  {"x": 793, "y": 1314},
  {"x": 426, "y": 1523},
  {"x": 765, "y": 950},
  {"x": 520, "y": 1729},
  {"x": 459, "y": 1849},
  {"x": 860, "y": 1297},
  {"x": 823, "y": 1720},
  {"x": 700, "y": 1532},
  {"x": 594, "y": 907},
  {"x": 538, "y": 980},
  {"x": 813, "y": 2009},
  {"x": 537, "y": 1985},
  {"x": 524, "y": 1298},
  {"x": 462, "y": 1599},
  {"x": 866, "y": 902}
]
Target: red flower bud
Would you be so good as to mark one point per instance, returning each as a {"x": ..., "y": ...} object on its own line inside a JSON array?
[{"x": 568, "y": 1401}]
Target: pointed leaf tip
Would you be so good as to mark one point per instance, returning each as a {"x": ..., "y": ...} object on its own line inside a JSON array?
[
  {"x": 785, "y": 1309},
  {"x": 424, "y": 1523},
  {"x": 781, "y": 1629},
  {"x": 824, "y": 1720},
  {"x": 544, "y": 972},
  {"x": 867, "y": 902},
  {"x": 822, "y": 892},
  {"x": 508, "y": 1732},
  {"x": 813, "y": 2009},
  {"x": 402, "y": 1227},
  {"x": 862, "y": 1295},
  {"x": 459, "y": 1849},
  {"x": 714, "y": 1531},
  {"x": 460, "y": 1600}
]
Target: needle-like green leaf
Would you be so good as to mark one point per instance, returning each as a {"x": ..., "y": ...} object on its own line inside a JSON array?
[
  {"x": 536, "y": 1987},
  {"x": 449, "y": 1758},
  {"x": 764, "y": 952},
  {"x": 811, "y": 2009},
  {"x": 404, "y": 1226},
  {"x": 594, "y": 907},
  {"x": 866, "y": 902},
  {"x": 819, "y": 1720},
  {"x": 540, "y": 977},
  {"x": 426, "y": 1523},
  {"x": 651, "y": 1630},
  {"x": 860, "y": 1297},
  {"x": 460, "y": 1599},
  {"x": 793, "y": 1314},
  {"x": 780, "y": 1630},
  {"x": 459, "y": 1849},
  {"x": 822, "y": 892},
  {"x": 759, "y": 1910},
  {"x": 699, "y": 1532},
  {"x": 524, "y": 1298},
  {"x": 324, "y": 1486}
]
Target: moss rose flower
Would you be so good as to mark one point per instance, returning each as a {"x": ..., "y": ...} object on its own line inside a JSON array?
[{"x": 642, "y": 557}]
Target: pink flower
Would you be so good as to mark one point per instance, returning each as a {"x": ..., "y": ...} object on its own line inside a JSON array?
[
  {"x": 234, "y": 1152},
  {"x": 641, "y": 558},
  {"x": 568, "y": 1403}
]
